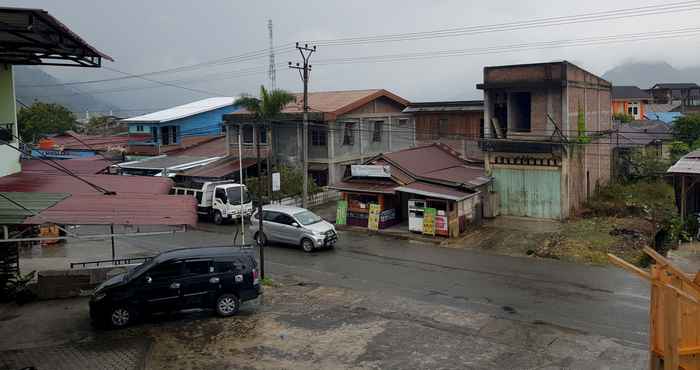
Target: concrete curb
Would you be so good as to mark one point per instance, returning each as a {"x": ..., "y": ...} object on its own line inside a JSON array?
[{"x": 404, "y": 236}]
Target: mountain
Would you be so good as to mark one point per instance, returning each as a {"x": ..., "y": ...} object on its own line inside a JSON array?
[
  {"x": 68, "y": 96},
  {"x": 645, "y": 75}
]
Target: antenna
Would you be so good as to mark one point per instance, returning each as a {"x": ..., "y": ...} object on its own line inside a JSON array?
[{"x": 271, "y": 70}]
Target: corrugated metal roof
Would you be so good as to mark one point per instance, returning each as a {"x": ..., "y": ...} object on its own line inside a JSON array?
[
  {"x": 422, "y": 160},
  {"x": 364, "y": 187},
  {"x": 208, "y": 147},
  {"x": 629, "y": 92},
  {"x": 185, "y": 110},
  {"x": 125, "y": 209},
  {"x": 75, "y": 141},
  {"x": 435, "y": 191},
  {"x": 87, "y": 166},
  {"x": 689, "y": 164},
  {"x": 667, "y": 117},
  {"x": 11, "y": 213},
  {"x": 163, "y": 161},
  {"x": 458, "y": 174},
  {"x": 676, "y": 85},
  {"x": 220, "y": 168},
  {"x": 639, "y": 133},
  {"x": 446, "y": 106},
  {"x": 50, "y": 183}
]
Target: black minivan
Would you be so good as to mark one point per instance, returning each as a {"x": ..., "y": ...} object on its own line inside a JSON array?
[{"x": 207, "y": 277}]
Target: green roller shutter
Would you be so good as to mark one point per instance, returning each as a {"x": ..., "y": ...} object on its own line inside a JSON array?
[{"x": 529, "y": 192}]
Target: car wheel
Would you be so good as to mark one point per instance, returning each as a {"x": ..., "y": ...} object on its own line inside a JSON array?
[
  {"x": 307, "y": 245},
  {"x": 218, "y": 218},
  {"x": 227, "y": 305},
  {"x": 120, "y": 317},
  {"x": 261, "y": 239}
]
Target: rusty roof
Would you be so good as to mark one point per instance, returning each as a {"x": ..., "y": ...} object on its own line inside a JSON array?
[
  {"x": 54, "y": 183},
  {"x": 214, "y": 146},
  {"x": 689, "y": 164},
  {"x": 75, "y": 141},
  {"x": 422, "y": 160},
  {"x": 120, "y": 209},
  {"x": 83, "y": 166},
  {"x": 365, "y": 187},
  {"x": 220, "y": 168},
  {"x": 458, "y": 174}
]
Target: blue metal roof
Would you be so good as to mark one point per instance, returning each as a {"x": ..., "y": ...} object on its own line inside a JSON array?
[{"x": 667, "y": 117}]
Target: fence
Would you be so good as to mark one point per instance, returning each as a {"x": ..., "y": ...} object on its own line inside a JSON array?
[
  {"x": 322, "y": 197},
  {"x": 674, "y": 314}
]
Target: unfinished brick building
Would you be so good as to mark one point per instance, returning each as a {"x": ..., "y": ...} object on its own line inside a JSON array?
[{"x": 546, "y": 137}]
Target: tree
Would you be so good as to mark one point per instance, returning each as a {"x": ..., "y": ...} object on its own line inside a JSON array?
[
  {"x": 268, "y": 105},
  {"x": 687, "y": 129},
  {"x": 291, "y": 184},
  {"x": 43, "y": 119},
  {"x": 97, "y": 125}
]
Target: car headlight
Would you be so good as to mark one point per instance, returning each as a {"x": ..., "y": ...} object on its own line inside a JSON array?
[{"x": 99, "y": 296}]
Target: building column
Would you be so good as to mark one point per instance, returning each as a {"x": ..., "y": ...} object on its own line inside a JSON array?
[
  {"x": 487, "y": 115},
  {"x": 9, "y": 158},
  {"x": 330, "y": 133},
  {"x": 300, "y": 143},
  {"x": 228, "y": 141},
  {"x": 361, "y": 131},
  {"x": 389, "y": 132}
]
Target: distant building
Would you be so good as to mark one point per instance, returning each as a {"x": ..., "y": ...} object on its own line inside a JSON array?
[
  {"x": 346, "y": 127},
  {"x": 546, "y": 137},
  {"x": 630, "y": 100},
  {"x": 685, "y": 95},
  {"x": 652, "y": 138},
  {"x": 178, "y": 127},
  {"x": 458, "y": 124}
]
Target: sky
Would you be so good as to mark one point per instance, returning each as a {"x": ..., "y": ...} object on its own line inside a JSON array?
[{"x": 144, "y": 36}]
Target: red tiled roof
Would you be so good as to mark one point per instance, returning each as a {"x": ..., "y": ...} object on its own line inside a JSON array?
[
  {"x": 52, "y": 183},
  {"x": 219, "y": 168},
  {"x": 72, "y": 140},
  {"x": 124, "y": 209},
  {"x": 86, "y": 166}
]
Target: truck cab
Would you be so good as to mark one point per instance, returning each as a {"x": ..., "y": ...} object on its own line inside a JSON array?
[{"x": 221, "y": 200}]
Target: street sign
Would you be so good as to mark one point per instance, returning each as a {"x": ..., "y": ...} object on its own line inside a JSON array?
[
  {"x": 429, "y": 221},
  {"x": 370, "y": 171},
  {"x": 341, "y": 216},
  {"x": 276, "y": 183},
  {"x": 373, "y": 219}
]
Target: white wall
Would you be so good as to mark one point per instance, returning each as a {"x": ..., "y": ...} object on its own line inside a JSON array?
[{"x": 9, "y": 158}]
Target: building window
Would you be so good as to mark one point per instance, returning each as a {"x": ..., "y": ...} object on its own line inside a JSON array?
[
  {"x": 349, "y": 134},
  {"x": 169, "y": 135},
  {"x": 139, "y": 128},
  {"x": 444, "y": 127},
  {"x": 318, "y": 136},
  {"x": 520, "y": 111},
  {"x": 263, "y": 134},
  {"x": 377, "y": 133},
  {"x": 248, "y": 134},
  {"x": 403, "y": 122}
]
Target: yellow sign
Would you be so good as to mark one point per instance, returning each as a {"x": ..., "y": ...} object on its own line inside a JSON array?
[
  {"x": 373, "y": 219},
  {"x": 429, "y": 221}
]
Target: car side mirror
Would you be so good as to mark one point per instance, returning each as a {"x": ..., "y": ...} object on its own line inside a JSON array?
[
  {"x": 149, "y": 279},
  {"x": 295, "y": 224}
]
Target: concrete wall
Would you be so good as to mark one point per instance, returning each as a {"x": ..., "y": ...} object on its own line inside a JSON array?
[{"x": 9, "y": 158}]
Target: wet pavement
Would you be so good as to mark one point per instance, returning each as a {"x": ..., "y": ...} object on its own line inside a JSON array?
[{"x": 301, "y": 324}]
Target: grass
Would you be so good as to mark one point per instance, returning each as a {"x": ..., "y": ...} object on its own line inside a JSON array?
[{"x": 267, "y": 281}]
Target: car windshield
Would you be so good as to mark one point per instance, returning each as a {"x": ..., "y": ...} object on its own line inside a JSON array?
[
  {"x": 307, "y": 218},
  {"x": 234, "y": 195}
]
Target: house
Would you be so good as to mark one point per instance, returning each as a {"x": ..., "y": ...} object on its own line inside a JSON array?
[
  {"x": 404, "y": 183},
  {"x": 458, "y": 124},
  {"x": 345, "y": 127},
  {"x": 178, "y": 127},
  {"x": 629, "y": 100},
  {"x": 73, "y": 145},
  {"x": 546, "y": 137},
  {"x": 651, "y": 138},
  {"x": 685, "y": 95},
  {"x": 44, "y": 40},
  {"x": 662, "y": 116}
]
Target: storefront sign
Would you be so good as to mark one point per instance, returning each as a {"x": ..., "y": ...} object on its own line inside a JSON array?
[
  {"x": 429, "y": 221},
  {"x": 276, "y": 183},
  {"x": 370, "y": 171},
  {"x": 341, "y": 212},
  {"x": 373, "y": 220}
]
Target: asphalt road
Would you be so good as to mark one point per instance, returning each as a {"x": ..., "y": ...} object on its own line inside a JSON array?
[{"x": 596, "y": 300}]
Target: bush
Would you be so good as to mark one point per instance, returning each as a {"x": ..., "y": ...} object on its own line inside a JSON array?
[
  {"x": 623, "y": 117},
  {"x": 291, "y": 184}
]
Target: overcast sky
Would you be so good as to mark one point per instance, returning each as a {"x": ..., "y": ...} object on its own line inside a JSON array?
[{"x": 143, "y": 36}]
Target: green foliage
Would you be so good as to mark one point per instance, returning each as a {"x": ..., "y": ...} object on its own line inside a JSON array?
[
  {"x": 644, "y": 165},
  {"x": 42, "y": 119},
  {"x": 687, "y": 129},
  {"x": 581, "y": 126},
  {"x": 291, "y": 184},
  {"x": 679, "y": 149},
  {"x": 266, "y": 281},
  {"x": 268, "y": 105},
  {"x": 623, "y": 117},
  {"x": 96, "y": 125}
]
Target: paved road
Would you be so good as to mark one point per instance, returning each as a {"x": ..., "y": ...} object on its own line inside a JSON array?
[{"x": 597, "y": 300}]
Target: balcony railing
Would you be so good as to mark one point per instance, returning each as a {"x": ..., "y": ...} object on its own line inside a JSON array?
[{"x": 519, "y": 146}]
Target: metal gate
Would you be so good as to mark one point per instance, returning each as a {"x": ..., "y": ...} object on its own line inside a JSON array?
[{"x": 529, "y": 192}]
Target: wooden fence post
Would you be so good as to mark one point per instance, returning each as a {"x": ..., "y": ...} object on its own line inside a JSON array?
[{"x": 672, "y": 313}]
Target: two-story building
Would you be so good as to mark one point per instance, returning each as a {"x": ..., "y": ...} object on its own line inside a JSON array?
[
  {"x": 458, "y": 124},
  {"x": 345, "y": 127},
  {"x": 684, "y": 96},
  {"x": 178, "y": 127},
  {"x": 546, "y": 137},
  {"x": 630, "y": 100}
]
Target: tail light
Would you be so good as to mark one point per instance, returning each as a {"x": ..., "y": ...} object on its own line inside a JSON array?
[{"x": 256, "y": 277}]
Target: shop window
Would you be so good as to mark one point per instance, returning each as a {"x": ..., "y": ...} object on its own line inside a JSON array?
[
  {"x": 521, "y": 111},
  {"x": 361, "y": 201},
  {"x": 377, "y": 132},
  {"x": 318, "y": 136},
  {"x": 349, "y": 134},
  {"x": 248, "y": 134}
]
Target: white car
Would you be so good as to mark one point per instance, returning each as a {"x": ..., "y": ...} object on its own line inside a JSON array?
[{"x": 293, "y": 225}]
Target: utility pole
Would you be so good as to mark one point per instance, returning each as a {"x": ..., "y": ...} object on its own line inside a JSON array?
[
  {"x": 271, "y": 68},
  {"x": 261, "y": 247},
  {"x": 304, "y": 70}
]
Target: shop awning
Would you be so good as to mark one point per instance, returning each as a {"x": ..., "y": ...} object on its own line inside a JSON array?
[
  {"x": 364, "y": 187},
  {"x": 435, "y": 191}
]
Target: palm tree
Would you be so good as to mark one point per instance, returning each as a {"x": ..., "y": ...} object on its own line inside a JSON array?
[{"x": 268, "y": 105}]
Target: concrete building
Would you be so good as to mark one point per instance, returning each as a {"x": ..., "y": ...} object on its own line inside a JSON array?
[
  {"x": 685, "y": 97},
  {"x": 178, "y": 127},
  {"x": 458, "y": 124},
  {"x": 547, "y": 137},
  {"x": 346, "y": 127}
]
